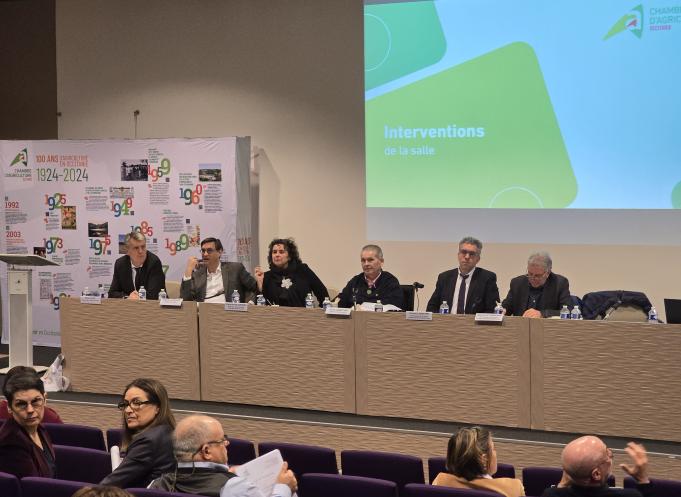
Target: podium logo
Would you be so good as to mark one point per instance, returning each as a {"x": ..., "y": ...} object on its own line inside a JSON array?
[
  {"x": 21, "y": 158},
  {"x": 632, "y": 21}
]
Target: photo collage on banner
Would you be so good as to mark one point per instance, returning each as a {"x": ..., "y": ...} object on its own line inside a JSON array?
[{"x": 74, "y": 201}]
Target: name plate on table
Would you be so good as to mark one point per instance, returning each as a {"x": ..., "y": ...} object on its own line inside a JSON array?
[
  {"x": 338, "y": 311},
  {"x": 489, "y": 318},
  {"x": 170, "y": 302},
  {"x": 90, "y": 299},
  {"x": 240, "y": 307},
  {"x": 418, "y": 316}
]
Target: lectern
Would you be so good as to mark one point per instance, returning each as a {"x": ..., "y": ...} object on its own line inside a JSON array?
[{"x": 20, "y": 312}]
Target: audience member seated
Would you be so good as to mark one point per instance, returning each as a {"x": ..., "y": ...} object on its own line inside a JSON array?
[
  {"x": 102, "y": 491},
  {"x": 289, "y": 280},
  {"x": 471, "y": 462},
  {"x": 587, "y": 463},
  {"x": 138, "y": 268},
  {"x": 50, "y": 416},
  {"x": 25, "y": 446},
  {"x": 540, "y": 292},
  {"x": 372, "y": 283},
  {"x": 467, "y": 289},
  {"x": 200, "y": 447},
  {"x": 147, "y": 444},
  {"x": 212, "y": 280}
]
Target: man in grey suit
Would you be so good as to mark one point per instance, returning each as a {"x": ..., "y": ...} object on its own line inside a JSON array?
[{"x": 211, "y": 280}]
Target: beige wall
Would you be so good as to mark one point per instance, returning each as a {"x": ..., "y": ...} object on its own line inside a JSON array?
[{"x": 288, "y": 73}]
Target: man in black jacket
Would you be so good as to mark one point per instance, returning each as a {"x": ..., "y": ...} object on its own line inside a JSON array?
[
  {"x": 467, "y": 289},
  {"x": 138, "y": 268},
  {"x": 372, "y": 283},
  {"x": 587, "y": 464},
  {"x": 540, "y": 292}
]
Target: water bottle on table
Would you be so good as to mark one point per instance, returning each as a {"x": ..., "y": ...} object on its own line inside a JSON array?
[
  {"x": 576, "y": 313},
  {"x": 260, "y": 299},
  {"x": 652, "y": 315},
  {"x": 498, "y": 309},
  {"x": 378, "y": 307},
  {"x": 444, "y": 308},
  {"x": 309, "y": 301},
  {"x": 236, "y": 298},
  {"x": 565, "y": 313},
  {"x": 142, "y": 292},
  {"x": 162, "y": 294},
  {"x": 327, "y": 303}
]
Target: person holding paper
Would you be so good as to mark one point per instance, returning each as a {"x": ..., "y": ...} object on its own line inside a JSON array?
[
  {"x": 138, "y": 268},
  {"x": 540, "y": 292},
  {"x": 467, "y": 289},
  {"x": 200, "y": 446},
  {"x": 372, "y": 283},
  {"x": 211, "y": 280}
]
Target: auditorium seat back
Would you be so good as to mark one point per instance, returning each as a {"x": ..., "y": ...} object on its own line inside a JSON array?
[
  {"x": 421, "y": 490},
  {"x": 303, "y": 458},
  {"x": 398, "y": 468},
  {"x": 48, "y": 487},
  {"x": 327, "y": 485},
  {"x": 76, "y": 435},
  {"x": 9, "y": 485},
  {"x": 80, "y": 464}
]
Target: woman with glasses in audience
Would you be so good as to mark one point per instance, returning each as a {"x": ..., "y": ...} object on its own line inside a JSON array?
[
  {"x": 147, "y": 444},
  {"x": 25, "y": 446},
  {"x": 50, "y": 416},
  {"x": 289, "y": 280},
  {"x": 471, "y": 462}
]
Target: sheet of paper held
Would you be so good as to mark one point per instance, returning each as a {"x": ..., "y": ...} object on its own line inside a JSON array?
[{"x": 262, "y": 471}]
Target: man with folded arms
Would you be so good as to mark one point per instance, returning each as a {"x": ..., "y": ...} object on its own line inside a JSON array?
[
  {"x": 540, "y": 292},
  {"x": 467, "y": 289},
  {"x": 372, "y": 283},
  {"x": 587, "y": 464},
  {"x": 200, "y": 448},
  {"x": 211, "y": 280},
  {"x": 138, "y": 268}
]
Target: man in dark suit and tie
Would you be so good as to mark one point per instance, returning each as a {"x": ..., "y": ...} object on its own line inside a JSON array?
[
  {"x": 467, "y": 289},
  {"x": 138, "y": 268},
  {"x": 539, "y": 293},
  {"x": 212, "y": 280}
]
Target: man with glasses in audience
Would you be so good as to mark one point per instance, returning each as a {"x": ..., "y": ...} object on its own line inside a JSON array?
[
  {"x": 540, "y": 292},
  {"x": 138, "y": 268},
  {"x": 587, "y": 464},
  {"x": 200, "y": 447},
  {"x": 467, "y": 289},
  {"x": 211, "y": 280}
]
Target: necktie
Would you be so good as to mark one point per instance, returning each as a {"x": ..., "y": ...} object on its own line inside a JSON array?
[
  {"x": 138, "y": 273},
  {"x": 461, "y": 300}
]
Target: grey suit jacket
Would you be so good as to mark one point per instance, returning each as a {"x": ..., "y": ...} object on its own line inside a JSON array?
[{"x": 234, "y": 277}]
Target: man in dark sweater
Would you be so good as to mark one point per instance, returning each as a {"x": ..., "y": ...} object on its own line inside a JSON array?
[
  {"x": 200, "y": 448},
  {"x": 587, "y": 463},
  {"x": 372, "y": 284}
]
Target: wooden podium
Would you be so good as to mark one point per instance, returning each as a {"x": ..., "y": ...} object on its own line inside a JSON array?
[{"x": 20, "y": 308}]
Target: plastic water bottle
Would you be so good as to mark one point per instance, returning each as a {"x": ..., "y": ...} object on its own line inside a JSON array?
[
  {"x": 565, "y": 313},
  {"x": 498, "y": 309},
  {"x": 576, "y": 313},
  {"x": 327, "y": 303},
  {"x": 260, "y": 299},
  {"x": 378, "y": 307},
  {"x": 142, "y": 292},
  {"x": 236, "y": 298},
  {"x": 652, "y": 315},
  {"x": 102, "y": 293},
  {"x": 444, "y": 308},
  {"x": 309, "y": 302},
  {"x": 86, "y": 292},
  {"x": 162, "y": 294}
]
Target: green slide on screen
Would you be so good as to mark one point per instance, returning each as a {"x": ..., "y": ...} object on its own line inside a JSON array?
[
  {"x": 390, "y": 32},
  {"x": 480, "y": 134}
]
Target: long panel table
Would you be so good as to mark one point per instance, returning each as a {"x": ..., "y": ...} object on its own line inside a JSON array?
[
  {"x": 106, "y": 346},
  {"x": 609, "y": 378}
]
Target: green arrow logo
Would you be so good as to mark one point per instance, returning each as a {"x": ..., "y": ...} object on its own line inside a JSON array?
[
  {"x": 21, "y": 158},
  {"x": 632, "y": 21}
]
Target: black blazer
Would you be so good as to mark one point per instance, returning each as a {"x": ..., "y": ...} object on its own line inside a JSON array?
[
  {"x": 483, "y": 293},
  {"x": 148, "y": 456},
  {"x": 556, "y": 294},
  {"x": 234, "y": 277},
  {"x": 152, "y": 277}
]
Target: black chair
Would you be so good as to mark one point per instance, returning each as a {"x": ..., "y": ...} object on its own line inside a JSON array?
[{"x": 408, "y": 294}]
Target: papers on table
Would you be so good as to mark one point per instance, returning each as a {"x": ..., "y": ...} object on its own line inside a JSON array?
[
  {"x": 370, "y": 306},
  {"x": 262, "y": 471}
]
